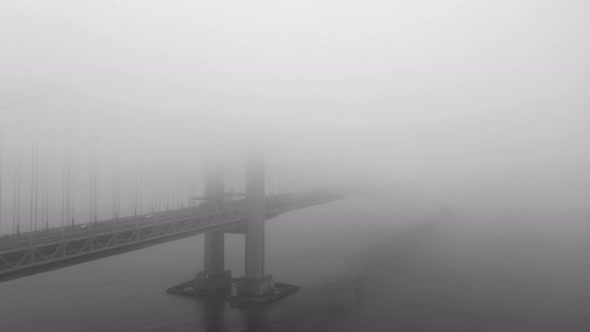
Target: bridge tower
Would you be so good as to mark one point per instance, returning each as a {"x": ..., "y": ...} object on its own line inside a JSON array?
[
  {"x": 214, "y": 277},
  {"x": 255, "y": 282}
]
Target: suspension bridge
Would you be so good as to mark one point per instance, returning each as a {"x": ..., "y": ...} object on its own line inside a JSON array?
[{"x": 44, "y": 246}]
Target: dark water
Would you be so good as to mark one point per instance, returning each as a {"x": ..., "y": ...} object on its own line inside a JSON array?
[{"x": 365, "y": 264}]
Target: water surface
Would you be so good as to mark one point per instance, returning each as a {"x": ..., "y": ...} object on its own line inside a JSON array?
[{"x": 371, "y": 263}]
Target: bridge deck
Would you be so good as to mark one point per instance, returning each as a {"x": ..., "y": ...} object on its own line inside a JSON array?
[{"x": 34, "y": 252}]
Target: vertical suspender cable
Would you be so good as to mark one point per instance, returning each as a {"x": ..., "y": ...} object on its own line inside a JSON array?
[
  {"x": 37, "y": 143},
  {"x": 167, "y": 192},
  {"x": 173, "y": 191},
  {"x": 66, "y": 188},
  {"x": 115, "y": 191},
  {"x": 191, "y": 188},
  {"x": 151, "y": 189},
  {"x": 69, "y": 181},
  {"x": 118, "y": 202},
  {"x": 156, "y": 184},
  {"x": 34, "y": 179},
  {"x": 141, "y": 188},
  {"x": 177, "y": 190},
  {"x": 95, "y": 189},
  {"x": 114, "y": 208},
  {"x": 158, "y": 191},
  {"x": 72, "y": 197},
  {"x": 32, "y": 196},
  {"x": 16, "y": 213},
  {"x": 63, "y": 188},
  {"x": 14, "y": 184},
  {"x": 47, "y": 174},
  {"x": 73, "y": 214},
  {"x": 136, "y": 194},
  {"x": 93, "y": 183},
  {"x": 47, "y": 189}
]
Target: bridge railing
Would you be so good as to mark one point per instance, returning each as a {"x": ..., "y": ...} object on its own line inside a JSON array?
[
  {"x": 102, "y": 227},
  {"x": 276, "y": 203}
]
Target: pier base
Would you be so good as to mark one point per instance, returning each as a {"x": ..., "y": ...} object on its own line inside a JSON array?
[
  {"x": 212, "y": 283},
  {"x": 253, "y": 288},
  {"x": 230, "y": 294}
]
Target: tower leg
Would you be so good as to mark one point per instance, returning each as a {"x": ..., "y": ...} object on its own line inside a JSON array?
[
  {"x": 214, "y": 252},
  {"x": 255, "y": 282},
  {"x": 214, "y": 276}
]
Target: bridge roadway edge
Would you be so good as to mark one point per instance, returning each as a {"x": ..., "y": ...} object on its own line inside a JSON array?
[
  {"x": 106, "y": 252},
  {"x": 74, "y": 260}
]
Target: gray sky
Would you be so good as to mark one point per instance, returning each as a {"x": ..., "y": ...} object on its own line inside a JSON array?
[{"x": 459, "y": 92}]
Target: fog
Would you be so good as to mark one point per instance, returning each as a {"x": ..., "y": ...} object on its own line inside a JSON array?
[
  {"x": 464, "y": 123},
  {"x": 485, "y": 100},
  {"x": 456, "y": 96}
]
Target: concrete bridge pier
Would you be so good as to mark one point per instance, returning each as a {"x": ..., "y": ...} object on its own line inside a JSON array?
[
  {"x": 255, "y": 282},
  {"x": 214, "y": 277}
]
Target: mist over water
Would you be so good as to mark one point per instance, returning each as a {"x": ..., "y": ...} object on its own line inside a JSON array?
[
  {"x": 464, "y": 125},
  {"x": 374, "y": 262}
]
